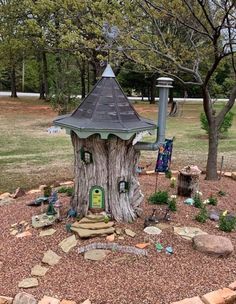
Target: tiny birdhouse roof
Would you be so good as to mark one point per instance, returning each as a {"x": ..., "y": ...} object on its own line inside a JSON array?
[{"x": 105, "y": 110}]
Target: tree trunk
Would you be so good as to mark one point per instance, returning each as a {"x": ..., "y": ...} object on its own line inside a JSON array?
[
  {"x": 114, "y": 160},
  {"x": 13, "y": 82},
  {"x": 82, "y": 78},
  {"x": 153, "y": 89},
  {"x": 45, "y": 74},
  {"x": 211, "y": 168}
]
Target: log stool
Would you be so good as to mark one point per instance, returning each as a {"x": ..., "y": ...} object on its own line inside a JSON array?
[{"x": 188, "y": 181}]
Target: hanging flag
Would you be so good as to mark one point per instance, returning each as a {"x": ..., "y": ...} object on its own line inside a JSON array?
[{"x": 164, "y": 156}]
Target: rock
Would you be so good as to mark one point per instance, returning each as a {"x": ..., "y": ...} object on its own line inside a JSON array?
[
  {"x": 68, "y": 243},
  {"x": 49, "y": 300},
  {"x": 188, "y": 232},
  {"x": 152, "y": 230},
  {"x": 233, "y": 285},
  {"x": 43, "y": 220},
  {"x": 14, "y": 232},
  {"x": 93, "y": 226},
  {"x": 111, "y": 238},
  {"x": 67, "y": 302},
  {"x": 51, "y": 258},
  {"x": 86, "y": 233},
  {"x": 19, "y": 193},
  {"x": 214, "y": 216},
  {"x": 118, "y": 231},
  {"x": 24, "y": 298},
  {"x": 189, "y": 201},
  {"x": 41, "y": 187},
  {"x": 129, "y": 232},
  {"x": 28, "y": 283},
  {"x": 142, "y": 245},
  {"x": 5, "y": 195},
  {"x": 220, "y": 296},
  {"x": 87, "y": 302},
  {"x": 96, "y": 254},
  {"x": 47, "y": 232},
  {"x": 233, "y": 175},
  {"x": 6, "y": 300},
  {"x": 96, "y": 219},
  {"x": 194, "y": 300},
  {"x": 121, "y": 238},
  {"x": 23, "y": 234},
  {"x": 228, "y": 174},
  {"x": 39, "y": 271},
  {"x": 34, "y": 191},
  {"x": 213, "y": 244}
]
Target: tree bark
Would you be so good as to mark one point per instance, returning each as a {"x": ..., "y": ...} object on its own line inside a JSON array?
[
  {"x": 153, "y": 89},
  {"x": 213, "y": 137},
  {"x": 113, "y": 160},
  {"x": 45, "y": 74},
  {"x": 13, "y": 82}
]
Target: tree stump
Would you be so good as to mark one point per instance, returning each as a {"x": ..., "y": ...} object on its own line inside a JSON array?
[
  {"x": 113, "y": 160},
  {"x": 188, "y": 182}
]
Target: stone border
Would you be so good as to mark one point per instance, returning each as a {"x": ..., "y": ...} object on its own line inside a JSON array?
[{"x": 225, "y": 295}]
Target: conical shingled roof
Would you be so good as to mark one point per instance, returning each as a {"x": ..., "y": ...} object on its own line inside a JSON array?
[{"x": 105, "y": 109}]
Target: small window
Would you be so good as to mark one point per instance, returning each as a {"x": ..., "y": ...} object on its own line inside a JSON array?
[
  {"x": 123, "y": 186},
  {"x": 86, "y": 156}
]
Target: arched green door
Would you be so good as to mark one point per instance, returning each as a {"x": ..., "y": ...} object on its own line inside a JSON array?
[{"x": 96, "y": 198}]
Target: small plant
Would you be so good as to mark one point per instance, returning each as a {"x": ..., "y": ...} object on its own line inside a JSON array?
[
  {"x": 222, "y": 193},
  {"x": 159, "y": 198},
  {"x": 225, "y": 126},
  {"x": 172, "y": 203},
  {"x": 197, "y": 199},
  {"x": 172, "y": 182},
  {"x": 202, "y": 216},
  {"x": 168, "y": 174},
  {"x": 68, "y": 190},
  {"x": 227, "y": 223},
  {"x": 212, "y": 200},
  {"x": 47, "y": 191},
  {"x": 106, "y": 219}
]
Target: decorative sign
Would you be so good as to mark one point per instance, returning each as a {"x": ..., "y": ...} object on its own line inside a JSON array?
[
  {"x": 96, "y": 198},
  {"x": 164, "y": 156}
]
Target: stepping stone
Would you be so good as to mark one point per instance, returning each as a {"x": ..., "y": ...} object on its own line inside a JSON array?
[
  {"x": 194, "y": 300},
  {"x": 67, "y": 302},
  {"x": 5, "y": 195},
  {"x": 85, "y": 220},
  {"x": 68, "y": 243},
  {"x": 14, "y": 232},
  {"x": 96, "y": 254},
  {"x": 49, "y": 300},
  {"x": 6, "y": 300},
  {"x": 87, "y": 302},
  {"x": 163, "y": 226},
  {"x": 51, "y": 258},
  {"x": 19, "y": 193},
  {"x": 220, "y": 296},
  {"x": 28, "y": 283},
  {"x": 188, "y": 233},
  {"x": 152, "y": 230},
  {"x": 47, "y": 232},
  {"x": 129, "y": 232},
  {"x": 95, "y": 217},
  {"x": 86, "y": 233},
  {"x": 96, "y": 226},
  {"x": 39, "y": 271},
  {"x": 213, "y": 245},
  {"x": 43, "y": 220},
  {"x": 24, "y": 298}
]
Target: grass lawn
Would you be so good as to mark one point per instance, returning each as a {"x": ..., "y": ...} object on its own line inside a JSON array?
[{"x": 29, "y": 156}]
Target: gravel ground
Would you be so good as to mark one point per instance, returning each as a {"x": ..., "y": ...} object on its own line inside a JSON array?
[{"x": 120, "y": 278}]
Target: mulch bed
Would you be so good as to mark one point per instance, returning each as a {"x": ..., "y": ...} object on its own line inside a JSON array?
[{"x": 120, "y": 278}]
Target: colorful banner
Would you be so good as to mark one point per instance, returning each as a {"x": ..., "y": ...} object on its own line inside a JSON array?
[{"x": 164, "y": 156}]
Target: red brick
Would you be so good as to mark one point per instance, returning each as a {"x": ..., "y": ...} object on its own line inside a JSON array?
[
  {"x": 220, "y": 296},
  {"x": 194, "y": 300}
]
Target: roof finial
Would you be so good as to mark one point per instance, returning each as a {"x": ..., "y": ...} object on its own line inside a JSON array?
[{"x": 108, "y": 72}]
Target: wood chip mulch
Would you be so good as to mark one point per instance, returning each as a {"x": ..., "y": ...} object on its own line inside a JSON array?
[{"x": 120, "y": 278}]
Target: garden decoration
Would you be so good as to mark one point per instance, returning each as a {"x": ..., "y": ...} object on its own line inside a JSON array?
[
  {"x": 38, "y": 201},
  {"x": 102, "y": 130},
  {"x": 188, "y": 181},
  {"x": 154, "y": 219}
]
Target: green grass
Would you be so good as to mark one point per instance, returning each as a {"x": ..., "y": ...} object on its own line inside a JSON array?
[{"x": 29, "y": 156}]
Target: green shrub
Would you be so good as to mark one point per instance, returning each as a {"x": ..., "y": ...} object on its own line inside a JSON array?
[
  {"x": 222, "y": 193},
  {"x": 172, "y": 203},
  {"x": 202, "y": 216},
  {"x": 197, "y": 200},
  {"x": 225, "y": 126},
  {"x": 160, "y": 197},
  {"x": 168, "y": 174},
  {"x": 227, "y": 223},
  {"x": 68, "y": 190},
  {"x": 212, "y": 200}
]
